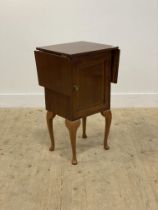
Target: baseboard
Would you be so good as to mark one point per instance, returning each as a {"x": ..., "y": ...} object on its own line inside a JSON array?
[
  {"x": 118, "y": 100},
  {"x": 22, "y": 100}
]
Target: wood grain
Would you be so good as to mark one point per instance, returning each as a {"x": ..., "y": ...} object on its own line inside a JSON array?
[
  {"x": 72, "y": 127},
  {"x": 108, "y": 117},
  {"x": 84, "y": 122},
  {"x": 49, "y": 117}
]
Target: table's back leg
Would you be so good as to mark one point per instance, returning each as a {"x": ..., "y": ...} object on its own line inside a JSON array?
[
  {"x": 84, "y": 120},
  {"x": 50, "y": 116},
  {"x": 108, "y": 117},
  {"x": 72, "y": 127}
]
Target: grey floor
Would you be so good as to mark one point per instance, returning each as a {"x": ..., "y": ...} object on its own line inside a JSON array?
[{"x": 123, "y": 178}]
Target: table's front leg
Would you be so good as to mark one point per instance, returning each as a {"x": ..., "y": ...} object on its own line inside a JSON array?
[
  {"x": 108, "y": 117},
  {"x": 72, "y": 127},
  {"x": 50, "y": 116}
]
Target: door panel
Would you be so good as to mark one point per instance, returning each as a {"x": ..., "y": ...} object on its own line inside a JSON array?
[
  {"x": 91, "y": 81},
  {"x": 91, "y": 86}
]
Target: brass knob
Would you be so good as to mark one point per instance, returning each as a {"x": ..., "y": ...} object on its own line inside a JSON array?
[{"x": 76, "y": 88}]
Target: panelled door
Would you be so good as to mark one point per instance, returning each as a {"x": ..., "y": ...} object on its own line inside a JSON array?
[{"x": 91, "y": 86}]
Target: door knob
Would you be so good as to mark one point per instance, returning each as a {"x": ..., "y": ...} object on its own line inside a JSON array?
[{"x": 76, "y": 88}]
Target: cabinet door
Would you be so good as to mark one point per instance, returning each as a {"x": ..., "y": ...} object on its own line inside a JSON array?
[{"x": 91, "y": 87}]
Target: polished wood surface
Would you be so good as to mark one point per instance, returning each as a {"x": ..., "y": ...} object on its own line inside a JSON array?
[
  {"x": 72, "y": 127},
  {"x": 92, "y": 77},
  {"x": 54, "y": 72},
  {"x": 108, "y": 117},
  {"x": 76, "y": 48},
  {"x": 60, "y": 103},
  {"x": 77, "y": 80},
  {"x": 49, "y": 117},
  {"x": 115, "y": 65},
  {"x": 84, "y": 122},
  {"x": 65, "y": 80}
]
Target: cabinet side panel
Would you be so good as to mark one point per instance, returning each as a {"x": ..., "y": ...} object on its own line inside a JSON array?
[
  {"x": 58, "y": 103},
  {"x": 54, "y": 72}
]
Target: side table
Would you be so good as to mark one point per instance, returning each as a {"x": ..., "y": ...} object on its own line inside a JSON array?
[{"x": 77, "y": 77}]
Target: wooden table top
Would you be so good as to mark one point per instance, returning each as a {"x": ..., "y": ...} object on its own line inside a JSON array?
[{"x": 75, "y": 48}]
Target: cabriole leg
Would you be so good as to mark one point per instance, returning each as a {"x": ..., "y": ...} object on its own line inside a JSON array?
[
  {"x": 50, "y": 116},
  {"x": 84, "y": 119},
  {"x": 108, "y": 117},
  {"x": 72, "y": 127}
]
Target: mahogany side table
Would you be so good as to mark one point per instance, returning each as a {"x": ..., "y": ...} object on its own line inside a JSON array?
[{"x": 77, "y": 77}]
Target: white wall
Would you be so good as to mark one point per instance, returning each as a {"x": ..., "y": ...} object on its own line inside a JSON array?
[{"x": 130, "y": 24}]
